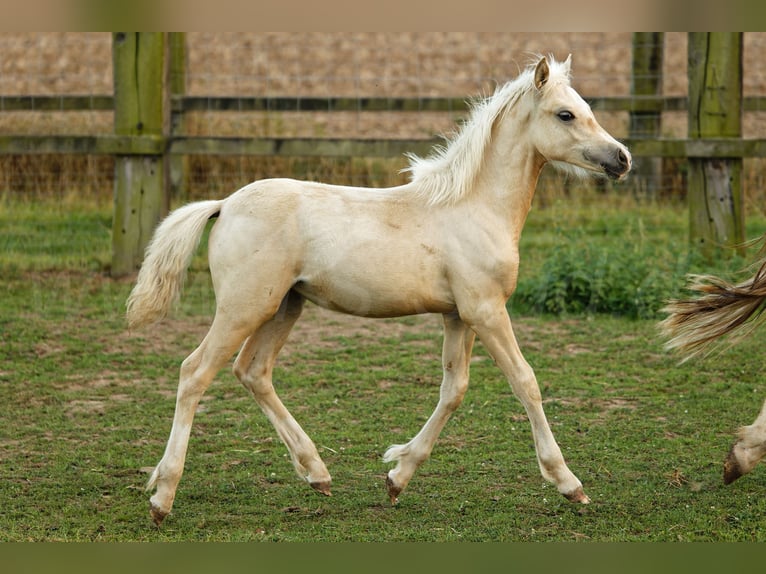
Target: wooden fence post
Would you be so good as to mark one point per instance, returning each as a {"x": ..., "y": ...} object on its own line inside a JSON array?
[
  {"x": 179, "y": 164},
  {"x": 140, "y": 109},
  {"x": 646, "y": 80},
  {"x": 716, "y": 215}
]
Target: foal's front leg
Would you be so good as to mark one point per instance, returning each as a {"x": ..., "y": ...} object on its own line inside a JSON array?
[
  {"x": 493, "y": 326},
  {"x": 456, "y": 355}
]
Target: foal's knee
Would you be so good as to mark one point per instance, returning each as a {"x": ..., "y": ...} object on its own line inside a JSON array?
[
  {"x": 526, "y": 388},
  {"x": 189, "y": 366}
]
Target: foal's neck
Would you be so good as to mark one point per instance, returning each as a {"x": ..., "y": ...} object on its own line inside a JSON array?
[{"x": 509, "y": 175}]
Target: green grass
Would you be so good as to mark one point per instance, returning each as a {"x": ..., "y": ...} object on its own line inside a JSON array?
[
  {"x": 87, "y": 407},
  {"x": 55, "y": 234}
]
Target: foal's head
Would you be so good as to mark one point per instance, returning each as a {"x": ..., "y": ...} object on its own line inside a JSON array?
[{"x": 564, "y": 129}]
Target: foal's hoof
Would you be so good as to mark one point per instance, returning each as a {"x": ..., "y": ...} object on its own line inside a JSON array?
[
  {"x": 157, "y": 515},
  {"x": 393, "y": 490},
  {"x": 322, "y": 487},
  {"x": 731, "y": 469},
  {"x": 578, "y": 495}
]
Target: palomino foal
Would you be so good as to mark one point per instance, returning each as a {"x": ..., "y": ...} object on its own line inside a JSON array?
[{"x": 446, "y": 242}]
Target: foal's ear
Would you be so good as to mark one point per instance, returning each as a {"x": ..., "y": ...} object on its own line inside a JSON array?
[
  {"x": 568, "y": 64},
  {"x": 541, "y": 73}
]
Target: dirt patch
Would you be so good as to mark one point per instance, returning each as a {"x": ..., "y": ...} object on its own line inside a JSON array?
[
  {"x": 603, "y": 406},
  {"x": 318, "y": 325},
  {"x": 317, "y": 328},
  {"x": 86, "y": 407},
  {"x": 166, "y": 336}
]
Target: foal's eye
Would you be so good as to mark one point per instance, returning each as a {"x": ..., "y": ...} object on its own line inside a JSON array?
[{"x": 565, "y": 116}]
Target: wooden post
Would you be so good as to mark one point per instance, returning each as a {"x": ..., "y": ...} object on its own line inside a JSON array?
[
  {"x": 716, "y": 215},
  {"x": 646, "y": 80},
  {"x": 179, "y": 164},
  {"x": 140, "y": 109}
]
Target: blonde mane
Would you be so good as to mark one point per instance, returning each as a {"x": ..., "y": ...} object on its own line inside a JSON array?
[{"x": 448, "y": 174}]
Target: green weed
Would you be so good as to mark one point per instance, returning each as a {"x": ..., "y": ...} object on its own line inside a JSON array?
[{"x": 618, "y": 262}]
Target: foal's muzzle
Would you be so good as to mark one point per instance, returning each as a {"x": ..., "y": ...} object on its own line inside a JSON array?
[{"x": 615, "y": 161}]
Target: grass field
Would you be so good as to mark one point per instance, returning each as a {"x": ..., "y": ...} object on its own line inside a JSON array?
[{"x": 87, "y": 407}]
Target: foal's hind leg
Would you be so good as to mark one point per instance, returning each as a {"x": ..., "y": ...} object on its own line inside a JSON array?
[
  {"x": 748, "y": 450},
  {"x": 197, "y": 372},
  {"x": 254, "y": 368},
  {"x": 456, "y": 355}
]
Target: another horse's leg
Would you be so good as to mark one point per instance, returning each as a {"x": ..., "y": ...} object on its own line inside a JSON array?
[
  {"x": 197, "y": 372},
  {"x": 493, "y": 326},
  {"x": 748, "y": 450},
  {"x": 253, "y": 368},
  {"x": 456, "y": 355}
]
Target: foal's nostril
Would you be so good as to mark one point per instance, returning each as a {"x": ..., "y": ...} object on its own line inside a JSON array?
[{"x": 622, "y": 158}]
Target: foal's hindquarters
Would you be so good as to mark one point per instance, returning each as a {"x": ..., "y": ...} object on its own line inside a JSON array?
[{"x": 255, "y": 309}]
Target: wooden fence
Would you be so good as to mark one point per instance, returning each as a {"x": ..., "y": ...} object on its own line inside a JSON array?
[{"x": 149, "y": 103}]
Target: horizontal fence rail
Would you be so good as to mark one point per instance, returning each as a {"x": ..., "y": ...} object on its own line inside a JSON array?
[
  {"x": 56, "y": 103},
  {"x": 333, "y": 147},
  {"x": 96, "y": 145},
  {"x": 635, "y": 103}
]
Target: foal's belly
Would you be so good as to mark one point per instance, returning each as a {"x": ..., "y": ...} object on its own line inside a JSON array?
[{"x": 367, "y": 298}]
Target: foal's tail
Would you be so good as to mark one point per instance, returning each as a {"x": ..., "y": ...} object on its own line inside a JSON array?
[
  {"x": 167, "y": 256},
  {"x": 694, "y": 324}
]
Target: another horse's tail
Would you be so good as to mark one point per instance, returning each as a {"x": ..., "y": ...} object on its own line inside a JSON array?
[
  {"x": 694, "y": 324},
  {"x": 167, "y": 256}
]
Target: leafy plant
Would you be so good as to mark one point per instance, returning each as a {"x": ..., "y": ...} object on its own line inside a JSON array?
[{"x": 618, "y": 278}]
